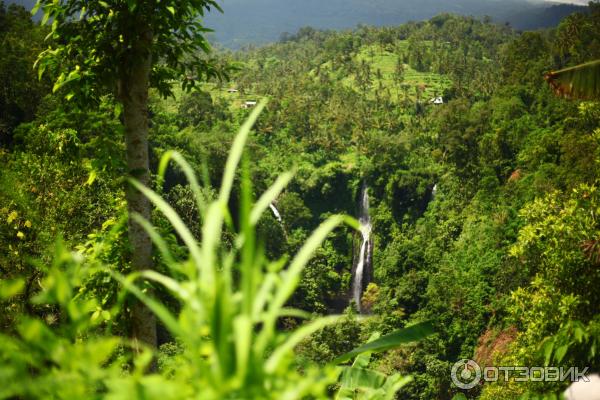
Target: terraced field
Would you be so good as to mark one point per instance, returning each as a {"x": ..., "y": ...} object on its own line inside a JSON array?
[{"x": 386, "y": 61}]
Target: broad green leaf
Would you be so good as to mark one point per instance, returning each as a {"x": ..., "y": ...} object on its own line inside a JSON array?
[
  {"x": 36, "y": 7},
  {"x": 390, "y": 341},
  {"x": 578, "y": 82},
  {"x": 45, "y": 18},
  {"x": 393, "y": 384},
  {"x": 363, "y": 359},
  {"x": 548, "y": 348},
  {"x": 560, "y": 353},
  {"x": 361, "y": 378},
  {"x": 11, "y": 288},
  {"x": 91, "y": 177}
]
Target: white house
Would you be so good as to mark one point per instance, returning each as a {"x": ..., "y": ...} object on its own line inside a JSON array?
[
  {"x": 249, "y": 104},
  {"x": 232, "y": 90},
  {"x": 437, "y": 100}
]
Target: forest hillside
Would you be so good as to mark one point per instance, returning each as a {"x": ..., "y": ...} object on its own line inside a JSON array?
[
  {"x": 470, "y": 185},
  {"x": 264, "y": 21}
]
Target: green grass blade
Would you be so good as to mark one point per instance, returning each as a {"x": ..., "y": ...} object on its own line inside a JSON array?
[
  {"x": 189, "y": 174},
  {"x": 156, "y": 307},
  {"x": 211, "y": 236},
  {"x": 287, "y": 281},
  {"x": 174, "y": 287},
  {"x": 263, "y": 296},
  {"x": 158, "y": 241},
  {"x": 269, "y": 196},
  {"x": 295, "y": 338},
  {"x": 291, "y": 277},
  {"x": 250, "y": 274},
  {"x": 243, "y": 344},
  {"x": 235, "y": 154},
  {"x": 295, "y": 313},
  {"x": 172, "y": 216}
]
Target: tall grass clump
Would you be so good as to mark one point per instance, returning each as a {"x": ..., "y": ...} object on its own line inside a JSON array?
[{"x": 231, "y": 297}]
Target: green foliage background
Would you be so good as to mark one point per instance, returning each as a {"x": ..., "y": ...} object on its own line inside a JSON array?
[{"x": 503, "y": 255}]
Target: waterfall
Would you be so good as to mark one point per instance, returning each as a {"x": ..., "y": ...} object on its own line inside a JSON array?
[
  {"x": 277, "y": 216},
  {"x": 434, "y": 192},
  {"x": 366, "y": 247},
  {"x": 276, "y": 213}
]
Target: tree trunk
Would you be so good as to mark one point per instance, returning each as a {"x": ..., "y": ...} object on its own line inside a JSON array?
[{"x": 133, "y": 90}]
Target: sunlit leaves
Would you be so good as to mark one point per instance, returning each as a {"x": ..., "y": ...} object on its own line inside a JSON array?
[{"x": 102, "y": 38}]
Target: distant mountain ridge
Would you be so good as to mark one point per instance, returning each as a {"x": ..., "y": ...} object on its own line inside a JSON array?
[{"x": 262, "y": 21}]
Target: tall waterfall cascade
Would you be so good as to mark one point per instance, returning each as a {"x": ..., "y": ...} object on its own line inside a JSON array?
[{"x": 363, "y": 264}]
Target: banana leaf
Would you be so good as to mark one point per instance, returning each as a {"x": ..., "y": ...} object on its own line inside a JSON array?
[
  {"x": 387, "y": 342},
  {"x": 579, "y": 82}
]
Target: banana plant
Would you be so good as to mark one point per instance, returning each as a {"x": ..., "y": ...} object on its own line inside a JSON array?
[{"x": 358, "y": 382}]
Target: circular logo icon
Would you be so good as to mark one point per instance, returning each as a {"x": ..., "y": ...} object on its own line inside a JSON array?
[{"x": 466, "y": 374}]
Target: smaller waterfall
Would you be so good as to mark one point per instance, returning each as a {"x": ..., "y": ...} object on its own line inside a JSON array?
[
  {"x": 277, "y": 216},
  {"x": 434, "y": 192},
  {"x": 366, "y": 247},
  {"x": 276, "y": 213}
]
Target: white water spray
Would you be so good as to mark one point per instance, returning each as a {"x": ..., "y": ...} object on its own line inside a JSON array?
[
  {"x": 277, "y": 216},
  {"x": 276, "y": 213},
  {"x": 364, "y": 257}
]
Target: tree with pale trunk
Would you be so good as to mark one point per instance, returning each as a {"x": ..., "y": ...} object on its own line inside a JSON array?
[{"x": 124, "y": 48}]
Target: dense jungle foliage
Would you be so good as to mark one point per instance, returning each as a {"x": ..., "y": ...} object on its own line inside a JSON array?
[{"x": 484, "y": 215}]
